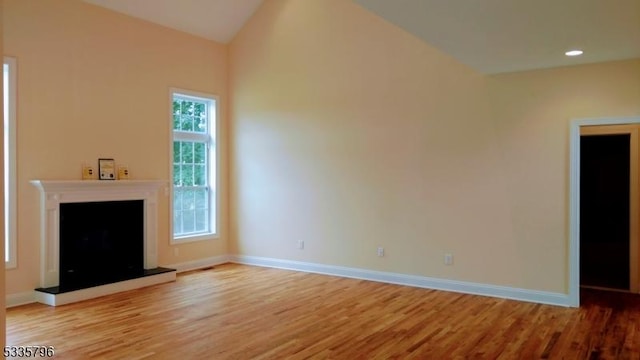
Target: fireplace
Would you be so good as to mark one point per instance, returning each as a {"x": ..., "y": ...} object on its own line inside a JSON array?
[{"x": 98, "y": 237}]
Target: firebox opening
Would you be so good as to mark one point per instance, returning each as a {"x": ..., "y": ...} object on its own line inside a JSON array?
[{"x": 100, "y": 243}]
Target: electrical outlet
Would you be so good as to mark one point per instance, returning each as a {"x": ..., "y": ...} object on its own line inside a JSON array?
[
  {"x": 300, "y": 244},
  {"x": 380, "y": 252},
  {"x": 448, "y": 259}
]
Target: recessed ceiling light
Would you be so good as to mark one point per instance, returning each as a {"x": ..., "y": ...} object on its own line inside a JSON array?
[{"x": 574, "y": 53}]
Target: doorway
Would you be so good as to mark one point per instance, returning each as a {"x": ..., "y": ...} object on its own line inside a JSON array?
[{"x": 609, "y": 207}]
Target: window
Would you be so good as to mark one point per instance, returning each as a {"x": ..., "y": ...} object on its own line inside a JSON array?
[
  {"x": 194, "y": 171},
  {"x": 9, "y": 91}
]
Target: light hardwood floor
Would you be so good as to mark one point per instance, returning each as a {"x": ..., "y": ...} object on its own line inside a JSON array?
[{"x": 243, "y": 312}]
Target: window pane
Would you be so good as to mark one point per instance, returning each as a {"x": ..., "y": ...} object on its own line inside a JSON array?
[
  {"x": 176, "y": 175},
  {"x": 187, "y": 152},
  {"x": 186, "y": 122},
  {"x": 201, "y": 220},
  {"x": 188, "y": 221},
  {"x": 187, "y": 107},
  {"x": 188, "y": 200},
  {"x": 201, "y": 201},
  {"x": 176, "y": 122},
  {"x": 200, "y": 175},
  {"x": 199, "y": 153},
  {"x": 200, "y": 118},
  {"x": 186, "y": 175},
  {"x": 190, "y": 116},
  {"x": 176, "y": 115},
  {"x": 177, "y": 199},
  {"x": 176, "y": 152},
  {"x": 177, "y": 222}
]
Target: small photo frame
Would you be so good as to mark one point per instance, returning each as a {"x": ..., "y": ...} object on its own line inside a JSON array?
[
  {"x": 123, "y": 173},
  {"x": 87, "y": 172},
  {"x": 107, "y": 169}
]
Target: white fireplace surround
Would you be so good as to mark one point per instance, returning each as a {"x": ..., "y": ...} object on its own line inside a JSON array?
[{"x": 55, "y": 192}]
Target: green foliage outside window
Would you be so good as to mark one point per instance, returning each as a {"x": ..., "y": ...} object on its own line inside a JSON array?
[
  {"x": 189, "y": 163},
  {"x": 189, "y": 115}
]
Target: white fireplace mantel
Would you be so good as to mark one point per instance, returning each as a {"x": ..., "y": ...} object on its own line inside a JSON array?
[
  {"x": 55, "y": 192},
  {"x": 111, "y": 186}
]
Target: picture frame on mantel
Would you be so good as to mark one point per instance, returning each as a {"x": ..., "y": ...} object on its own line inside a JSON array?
[
  {"x": 88, "y": 172},
  {"x": 106, "y": 169}
]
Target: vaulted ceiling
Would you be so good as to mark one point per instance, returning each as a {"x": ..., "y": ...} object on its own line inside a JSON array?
[
  {"x": 217, "y": 20},
  {"x": 492, "y": 36}
]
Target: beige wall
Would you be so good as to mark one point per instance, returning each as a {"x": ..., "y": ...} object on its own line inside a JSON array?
[
  {"x": 350, "y": 134},
  {"x": 93, "y": 83},
  {"x": 532, "y": 111}
]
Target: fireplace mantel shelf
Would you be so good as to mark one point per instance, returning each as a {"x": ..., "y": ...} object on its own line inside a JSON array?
[{"x": 54, "y": 186}]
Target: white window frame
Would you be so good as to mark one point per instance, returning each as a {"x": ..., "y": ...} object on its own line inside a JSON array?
[
  {"x": 213, "y": 164},
  {"x": 10, "y": 187}
]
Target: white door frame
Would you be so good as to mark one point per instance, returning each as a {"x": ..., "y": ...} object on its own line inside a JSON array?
[{"x": 574, "y": 198}]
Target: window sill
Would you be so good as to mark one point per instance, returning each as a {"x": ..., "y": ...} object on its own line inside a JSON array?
[{"x": 194, "y": 238}]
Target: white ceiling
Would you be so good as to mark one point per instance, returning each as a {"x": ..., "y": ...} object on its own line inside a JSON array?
[
  {"x": 217, "y": 20},
  {"x": 495, "y": 36},
  {"x": 491, "y": 36}
]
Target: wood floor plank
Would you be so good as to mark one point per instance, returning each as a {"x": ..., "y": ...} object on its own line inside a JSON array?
[{"x": 242, "y": 312}]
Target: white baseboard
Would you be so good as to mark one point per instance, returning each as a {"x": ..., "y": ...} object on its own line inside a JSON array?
[
  {"x": 198, "y": 264},
  {"x": 535, "y": 296},
  {"x": 24, "y": 298},
  {"x": 542, "y": 297}
]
